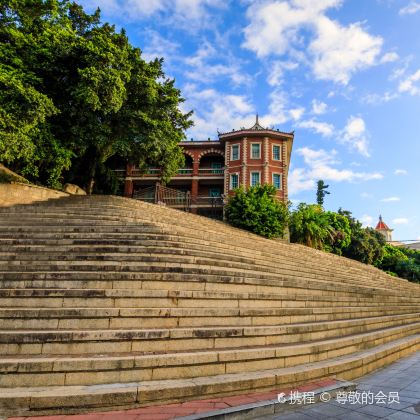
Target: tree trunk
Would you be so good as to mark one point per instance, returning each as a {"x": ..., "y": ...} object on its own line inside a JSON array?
[{"x": 91, "y": 176}]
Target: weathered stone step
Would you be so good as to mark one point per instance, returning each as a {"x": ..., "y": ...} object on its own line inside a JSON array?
[
  {"x": 149, "y": 254},
  {"x": 130, "y": 367},
  {"x": 101, "y": 210},
  {"x": 61, "y": 399},
  {"x": 182, "y": 339},
  {"x": 297, "y": 278},
  {"x": 301, "y": 268},
  {"x": 112, "y": 318},
  {"x": 165, "y": 214},
  {"x": 191, "y": 284},
  {"x": 173, "y": 298},
  {"x": 191, "y": 267}
]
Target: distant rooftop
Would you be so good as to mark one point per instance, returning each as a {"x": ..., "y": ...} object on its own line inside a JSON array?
[{"x": 382, "y": 225}]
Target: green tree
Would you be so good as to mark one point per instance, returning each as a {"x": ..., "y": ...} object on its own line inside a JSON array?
[
  {"x": 366, "y": 244},
  {"x": 401, "y": 261},
  {"x": 321, "y": 192},
  {"x": 74, "y": 93},
  {"x": 340, "y": 233},
  {"x": 309, "y": 225},
  {"x": 258, "y": 210},
  {"x": 392, "y": 256}
]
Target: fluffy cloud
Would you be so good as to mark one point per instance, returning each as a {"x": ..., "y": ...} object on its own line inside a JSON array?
[
  {"x": 400, "y": 172},
  {"x": 205, "y": 66},
  {"x": 390, "y": 199},
  {"x": 158, "y": 46},
  {"x": 408, "y": 84},
  {"x": 367, "y": 221},
  {"x": 193, "y": 11},
  {"x": 335, "y": 51},
  {"x": 375, "y": 99},
  {"x": 410, "y": 9},
  {"x": 319, "y": 127},
  {"x": 341, "y": 51},
  {"x": 400, "y": 221},
  {"x": 215, "y": 110},
  {"x": 319, "y": 107},
  {"x": 277, "y": 69},
  {"x": 321, "y": 164},
  {"x": 354, "y": 134},
  {"x": 389, "y": 57}
]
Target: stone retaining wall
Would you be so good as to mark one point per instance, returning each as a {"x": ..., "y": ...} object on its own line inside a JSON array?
[{"x": 18, "y": 193}]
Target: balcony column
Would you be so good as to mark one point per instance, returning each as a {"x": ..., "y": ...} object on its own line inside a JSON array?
[
  {"x": 128, "y": 182},
  {"x": 194, "y": 184}
]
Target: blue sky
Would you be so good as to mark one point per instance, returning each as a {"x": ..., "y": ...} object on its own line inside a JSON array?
[{"x": 343, "y": 74}]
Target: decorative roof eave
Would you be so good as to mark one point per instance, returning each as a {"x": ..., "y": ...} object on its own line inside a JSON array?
[
  {"x": 200, "y": 143},
  {"x": 256, "y": 129},
  {"x": 259, "y": 132}
]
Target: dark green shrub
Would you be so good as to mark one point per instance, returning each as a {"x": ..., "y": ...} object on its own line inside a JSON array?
[{"x": 258, "y": 210}]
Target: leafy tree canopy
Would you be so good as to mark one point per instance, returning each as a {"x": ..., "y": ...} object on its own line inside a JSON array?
[
  {"x": 74, "y": 93},
  {"x": 309, "y": 225},
  {"x": 340, "y": 237},
  {"x": 258, "y": 210}
]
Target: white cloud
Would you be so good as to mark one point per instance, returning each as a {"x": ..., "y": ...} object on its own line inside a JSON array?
[
  {"x": 323, "y": 128},
  {"x": 279, "y": 110},
  {"x": 215, "y": 110},
  {"x": 321, "y": 164},
  {"x": 341, "y": 51},
  {"x": 389, "y": 57},
  {"x": 367, "y": 221},
  {"x": 366, "y": 195},
  {"x": 400, "y": 172},
  {"x": 390, "y": 199},
  {"x": 205, "y": 66},
  {"x": 196, "y": 12},
  {"x": 296, "y": 113},
  {"x": 319, "y": 107},
  {"x": 410, "y": 9},
  {"x": 354, "y": 134},
  {"x": 335, "y": 51},
  {"x": 400, "y": 221},
  {"x": 158, "y": 46},
  {"x": 375, "y": 99},
  {"x": 408, "y": 84},
  {"x": 277, "y": 69}
]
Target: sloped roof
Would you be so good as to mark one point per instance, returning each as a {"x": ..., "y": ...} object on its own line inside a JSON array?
[{"x": 382, "y": 225}]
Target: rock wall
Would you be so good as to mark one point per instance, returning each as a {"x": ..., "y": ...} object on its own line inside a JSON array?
[{"x": 17, "y": 193}]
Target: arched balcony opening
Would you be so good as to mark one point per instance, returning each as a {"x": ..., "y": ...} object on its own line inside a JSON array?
[
  {"x": 211, "y": 164},
  {"x": 187, "y": 169}
]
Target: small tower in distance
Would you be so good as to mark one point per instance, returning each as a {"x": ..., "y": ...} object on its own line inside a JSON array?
[{"x": 383, "y": 228}]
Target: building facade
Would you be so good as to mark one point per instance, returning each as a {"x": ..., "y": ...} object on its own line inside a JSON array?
[{"x": 214, "y": 168}]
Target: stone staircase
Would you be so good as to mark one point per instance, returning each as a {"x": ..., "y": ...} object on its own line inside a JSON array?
[{"x": 109, "y": 303}]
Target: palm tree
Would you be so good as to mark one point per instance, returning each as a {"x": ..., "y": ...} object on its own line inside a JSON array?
[{"x": 309, "y": 225}]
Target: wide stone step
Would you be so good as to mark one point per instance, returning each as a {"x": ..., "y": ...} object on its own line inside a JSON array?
[
  {"x": 172, "y": 298},
  {"x": 154, "y": 254},
  {"x": 112, "y": 318},
  {"x": 66, "y": 399},
  {"x": 182, "y": 339},
  {"x": 134, "y": 367},
  {"x": 220, "y": 227},
  {"x": 139, "y": 208},
  {"x": 134, "y": 266},
  {"x": 321, "y": 268},
  {"x": 392, "y": 282}
]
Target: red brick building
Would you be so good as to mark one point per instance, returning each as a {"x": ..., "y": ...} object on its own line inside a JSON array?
[{"x": 214, "y": 168}]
